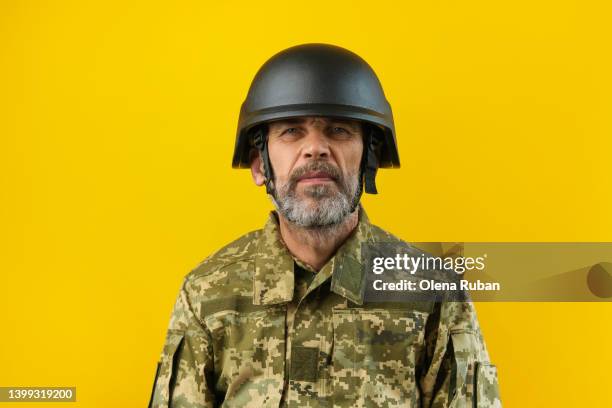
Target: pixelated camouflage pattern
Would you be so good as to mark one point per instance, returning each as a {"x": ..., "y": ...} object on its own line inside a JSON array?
[{"x": 254, "y": 328}]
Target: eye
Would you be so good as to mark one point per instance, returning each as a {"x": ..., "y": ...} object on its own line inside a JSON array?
[
  {"x": 290, "y": 131},
  {"x": 341, "y": 132}
]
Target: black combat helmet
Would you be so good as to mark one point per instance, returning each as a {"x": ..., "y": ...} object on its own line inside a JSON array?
[{"x": 318, "y": 80}]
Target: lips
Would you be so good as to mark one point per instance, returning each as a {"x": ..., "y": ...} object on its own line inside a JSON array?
[{"x": 316, "y": 177}]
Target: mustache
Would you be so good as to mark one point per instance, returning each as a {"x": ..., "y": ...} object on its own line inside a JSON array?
[{"x": 317, "y": 166}]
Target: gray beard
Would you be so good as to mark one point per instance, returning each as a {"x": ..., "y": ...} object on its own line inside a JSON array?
[{"x": 330, "y": 206}]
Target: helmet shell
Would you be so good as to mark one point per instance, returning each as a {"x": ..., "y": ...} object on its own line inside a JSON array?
[{"x": 316, "y": 80}]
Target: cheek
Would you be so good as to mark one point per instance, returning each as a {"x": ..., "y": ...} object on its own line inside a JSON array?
[
  {"x": 280, "y": 158},
  {"x": 353, "y": 157}
]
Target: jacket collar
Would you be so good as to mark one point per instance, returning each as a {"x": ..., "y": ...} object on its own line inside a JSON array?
[{"x": 273, "y": 281}]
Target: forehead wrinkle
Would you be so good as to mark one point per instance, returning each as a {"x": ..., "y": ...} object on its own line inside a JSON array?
[
  {"x": 326, "y": 121},
  {"x": 316, "y": 121}
]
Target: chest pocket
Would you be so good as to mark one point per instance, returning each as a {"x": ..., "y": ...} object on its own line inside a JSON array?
[
  {"x": 249, "y": 355},
  {"x": 374, "y": 356}
]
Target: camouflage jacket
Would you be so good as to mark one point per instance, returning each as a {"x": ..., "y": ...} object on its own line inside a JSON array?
[{"x": 253, "y": 328}]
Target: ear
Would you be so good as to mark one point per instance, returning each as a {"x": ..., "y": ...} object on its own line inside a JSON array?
[{"x": 257, "y": 170}]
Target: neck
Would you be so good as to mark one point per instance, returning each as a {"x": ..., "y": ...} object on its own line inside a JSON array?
[{"x": 316, "y": 246}]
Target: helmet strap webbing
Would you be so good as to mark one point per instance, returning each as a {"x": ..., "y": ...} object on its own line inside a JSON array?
[
  {"x": 369, "y": 161},
  {"x": 368, "y": 166},
  {"x": 261, "y": 143}
]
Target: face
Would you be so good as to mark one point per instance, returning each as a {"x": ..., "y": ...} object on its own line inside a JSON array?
[{"x": 315, "y": 162}]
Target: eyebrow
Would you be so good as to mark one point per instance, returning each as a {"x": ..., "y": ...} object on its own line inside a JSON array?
[{"x": 354, "y": 125}]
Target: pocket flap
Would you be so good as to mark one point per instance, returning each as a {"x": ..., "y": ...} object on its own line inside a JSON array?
[
  {"x": 487, "y": 390},
  {"x": 462, "y": 382},
  {"x": 166, "y": 372}
]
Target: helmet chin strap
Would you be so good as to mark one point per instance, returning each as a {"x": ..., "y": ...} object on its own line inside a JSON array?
[
  {"x": 369, "y": 161},
  {"x": 260, "y": 140},
  {"x": 367, "y": 168}
]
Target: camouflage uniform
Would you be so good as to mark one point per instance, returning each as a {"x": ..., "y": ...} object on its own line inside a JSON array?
[{"x": 254, "y": 328}]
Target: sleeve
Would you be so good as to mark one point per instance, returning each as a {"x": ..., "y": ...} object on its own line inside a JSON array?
[
  {"x": 457, "y": 372},
  {"x": 185, "y": 369}
]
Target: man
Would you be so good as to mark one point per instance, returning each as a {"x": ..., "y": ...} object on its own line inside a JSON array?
[{"x": 277, "y": 318}]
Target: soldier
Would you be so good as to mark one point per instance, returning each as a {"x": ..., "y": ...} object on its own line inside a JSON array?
[{"x": 277, "y": 318}]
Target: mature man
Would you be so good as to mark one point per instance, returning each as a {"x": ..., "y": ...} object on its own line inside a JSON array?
[{"x": 277, "y": 318}]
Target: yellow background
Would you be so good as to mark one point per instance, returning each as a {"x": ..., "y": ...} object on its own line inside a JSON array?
[{"x": 117, "y": 123}]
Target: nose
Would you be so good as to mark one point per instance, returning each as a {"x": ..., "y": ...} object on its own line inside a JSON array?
[{"x": 316, "y": 145}]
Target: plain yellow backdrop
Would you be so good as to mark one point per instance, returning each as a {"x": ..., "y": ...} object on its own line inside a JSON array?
[{"x": 117, "y": 124}]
